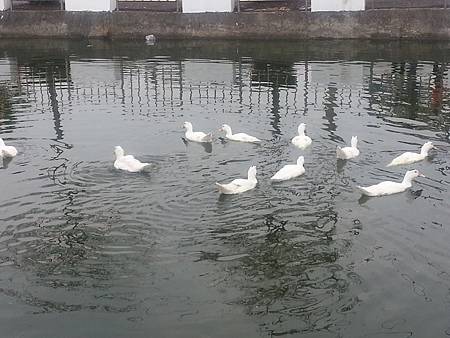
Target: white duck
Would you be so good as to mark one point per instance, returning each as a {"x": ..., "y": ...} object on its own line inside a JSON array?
[
  {"x": 7, "y": 151},
  {"x": 347, "y": 153},
  {"x": 240, "y": 137},
  {"x": 127, "y": 162},
  {"x": 239, "y": 185},
  {"x": 301, "y": 140},
  {"x": 409, "y": 157},
  {"x": 290, "y": 171},
  {"x": 196, "y": 136},
  {"x": 388, "y": 187}
]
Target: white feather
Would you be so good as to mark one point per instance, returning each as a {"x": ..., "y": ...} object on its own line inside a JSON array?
[
  {"x": 409, "y": 157},
  {"x": 389, "y": 187},
  {"x": 290, "y": 171},
  {"x": 239, "y": 185},
  {"x": 301, "y": 140},
  {"x": 127, "y": 162},
  {"x": 239, "y": 137},
  {"x": 197, "y": 136},
  {"x": 347, "y": 153},
  {"x": 7, "y": 151}
]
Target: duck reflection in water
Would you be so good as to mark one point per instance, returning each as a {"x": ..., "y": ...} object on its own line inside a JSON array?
[
  {"x": 363, "y": 199},
  {"x": 340, "y": 165},
  {"x": 5, "y": 161},
  {"x": 206, "y": 146}
]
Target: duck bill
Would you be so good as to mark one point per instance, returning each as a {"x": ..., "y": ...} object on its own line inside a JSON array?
[{"x": 421, "y": 175}]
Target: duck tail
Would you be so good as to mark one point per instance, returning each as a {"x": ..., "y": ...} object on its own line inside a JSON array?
[
  {"x": 363, "y": 190},
  {"x": 146, "y": 167},
  {"x": 208, "y": 138},
  {"x": 221, "y": 188},
  {"x": 340, "y": 154}
]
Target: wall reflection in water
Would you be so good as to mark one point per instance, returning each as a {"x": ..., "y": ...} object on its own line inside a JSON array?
[{"x": 163, "y": 250}]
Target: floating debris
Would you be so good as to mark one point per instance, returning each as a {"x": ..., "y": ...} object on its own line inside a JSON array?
[{"x": 150, "y": 39}]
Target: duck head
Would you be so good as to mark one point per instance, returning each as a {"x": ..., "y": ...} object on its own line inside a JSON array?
[
  {"x": 426, "y": 148},
  {"x": 411, "y": 175},
  {"x": 187, "y": 126},
  {"x": 226, "y": 128},
  {"x": 118, "y": 150},
  {"x": 252, "y": 173},
  {"x": 301, "y": 129},
  {"x": 354, "y": 141},
  {"x": 300, "y": 160}
]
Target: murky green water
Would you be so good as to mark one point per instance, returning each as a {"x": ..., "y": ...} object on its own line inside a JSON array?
[{"x": 86, "y": 251}]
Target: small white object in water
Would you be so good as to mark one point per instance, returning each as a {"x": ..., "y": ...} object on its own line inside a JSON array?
[
  {"x": 388, "y": 187},
  {"x": 150, "y": 38},
  {"x": 196, "y": 136},
  {"x": 409, "y": 157},
  {"x": 239, "y": 185},
  {"x": 7, "y": 151},
  {"x": 240, "y": 137},
  {"x": 290, "y": 171},
  {"x": 301, "y": 141},
  {"x": 127, "y": 162},
  {"x": 347, "y": 153}
]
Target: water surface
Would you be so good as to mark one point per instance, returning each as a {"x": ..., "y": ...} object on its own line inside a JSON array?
[{"x": 87, "y": 251}]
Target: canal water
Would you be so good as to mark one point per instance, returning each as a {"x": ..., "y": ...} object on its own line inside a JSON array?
[{"x": 87, "y": 251}]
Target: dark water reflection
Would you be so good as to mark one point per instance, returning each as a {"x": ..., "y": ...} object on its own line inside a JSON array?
[{"x": 86, "y": 251}]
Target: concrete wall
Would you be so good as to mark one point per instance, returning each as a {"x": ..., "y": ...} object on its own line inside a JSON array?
[
  {"x": 201, "y": 6},
  {"x": 380, "y": 24},
  {"x": 91, "y": 5},
  {"x": 337, "y": 5}
]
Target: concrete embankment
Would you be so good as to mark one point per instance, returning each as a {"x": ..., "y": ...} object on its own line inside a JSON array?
[{"x": 420, "y": 24}]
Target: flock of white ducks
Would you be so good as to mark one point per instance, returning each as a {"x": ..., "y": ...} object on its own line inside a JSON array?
[
  {"x": 289, "y": 171},
  {"x": 130, "y": 164}
]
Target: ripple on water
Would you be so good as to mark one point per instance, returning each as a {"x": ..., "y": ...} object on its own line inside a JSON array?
[{"x": 301, "y": 257}]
